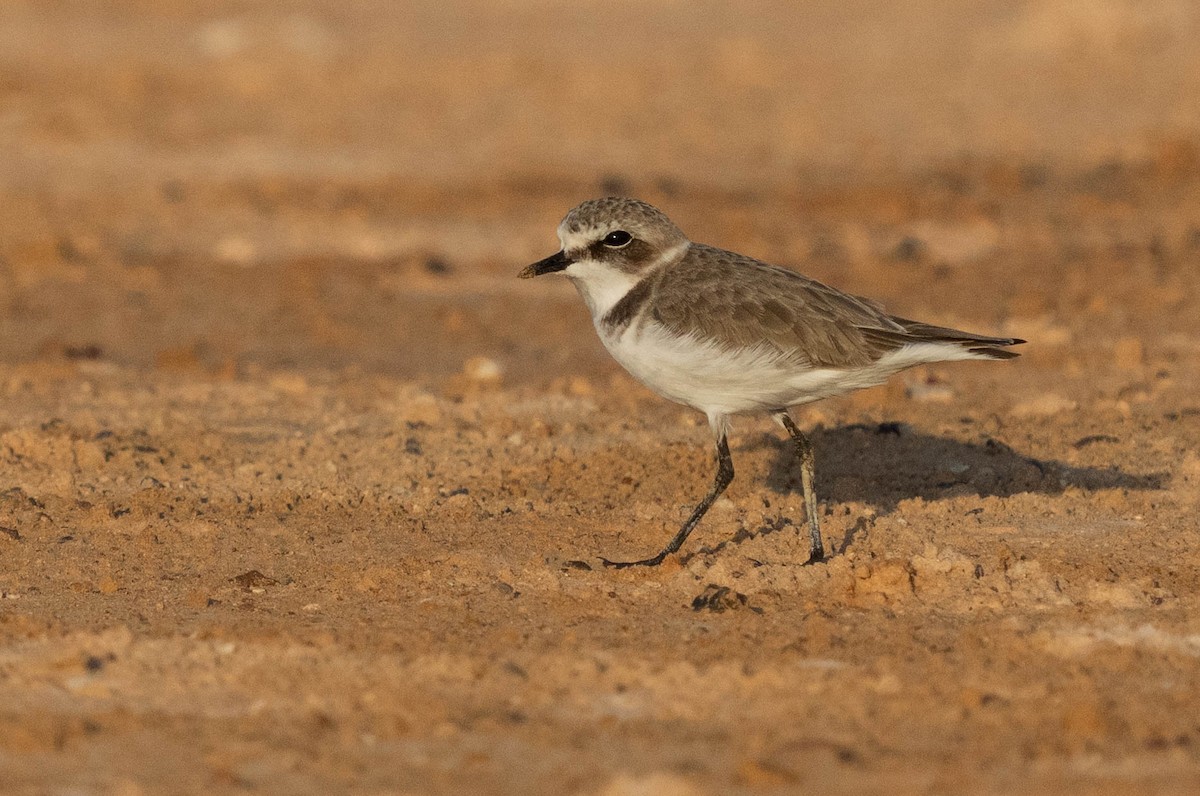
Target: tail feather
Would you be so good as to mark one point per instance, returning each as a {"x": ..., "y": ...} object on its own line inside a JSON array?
[
  {"x": 996, "y": 353},
  {"x": 916, "y": 332},
  {"x": 942, "y": 334}
]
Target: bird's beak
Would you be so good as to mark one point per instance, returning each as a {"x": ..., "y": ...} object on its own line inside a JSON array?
[{"x": 555, "y": 262}]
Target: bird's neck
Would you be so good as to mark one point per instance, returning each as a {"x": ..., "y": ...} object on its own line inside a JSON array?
[{"x": 602, "y": 286}]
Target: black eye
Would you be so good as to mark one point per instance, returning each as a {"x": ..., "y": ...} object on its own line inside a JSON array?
[{"x": 617, "y": 239}]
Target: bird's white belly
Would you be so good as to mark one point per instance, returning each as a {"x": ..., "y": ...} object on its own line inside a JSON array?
[{"x": 720, "y": 381}]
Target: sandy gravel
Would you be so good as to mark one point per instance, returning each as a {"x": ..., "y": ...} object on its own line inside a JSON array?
[{"x": 301, "y": 491}]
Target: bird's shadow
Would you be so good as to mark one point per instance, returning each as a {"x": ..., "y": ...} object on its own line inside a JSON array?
[{"x": 885, "y": 463}]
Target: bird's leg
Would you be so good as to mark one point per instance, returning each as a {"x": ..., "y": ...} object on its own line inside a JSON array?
[
  {"x": 724, "y": 476},
  {"x": 804, "y": 452}
]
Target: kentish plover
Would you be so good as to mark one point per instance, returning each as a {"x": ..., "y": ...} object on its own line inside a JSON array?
[{"x": 727, "y": 334}]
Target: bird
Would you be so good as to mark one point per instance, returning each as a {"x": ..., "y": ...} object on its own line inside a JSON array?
[{"x": 730, "y": 335}]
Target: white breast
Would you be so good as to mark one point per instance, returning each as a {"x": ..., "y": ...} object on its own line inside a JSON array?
[{"x": 698, "y": 373}]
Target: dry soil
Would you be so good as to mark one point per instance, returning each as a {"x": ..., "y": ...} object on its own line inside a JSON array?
[{"x": 301, "y": 491}]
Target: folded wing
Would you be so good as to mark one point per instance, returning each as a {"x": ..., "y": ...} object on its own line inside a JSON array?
[{"x": 743, "y": 302}]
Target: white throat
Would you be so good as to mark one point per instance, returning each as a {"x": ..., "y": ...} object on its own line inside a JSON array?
[{"x": 602, "y": 286}]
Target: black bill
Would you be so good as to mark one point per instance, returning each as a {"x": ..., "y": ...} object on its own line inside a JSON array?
[{"x": 555, "y": 262}]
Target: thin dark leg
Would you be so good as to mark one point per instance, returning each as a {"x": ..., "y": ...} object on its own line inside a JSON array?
[
  {"x": 724, "y": 476},
  {"x": 804, "y": 452}
]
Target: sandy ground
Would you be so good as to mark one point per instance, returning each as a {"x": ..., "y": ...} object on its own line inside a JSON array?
[{"x": 303, "y": 492}]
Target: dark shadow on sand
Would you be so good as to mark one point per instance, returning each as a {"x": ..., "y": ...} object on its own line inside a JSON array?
[
  {"x": 883, "y": 464},
  {"x": 886, "y": 463}
]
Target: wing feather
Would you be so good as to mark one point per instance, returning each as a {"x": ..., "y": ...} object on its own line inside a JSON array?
[{"x": 742, "y": 302}]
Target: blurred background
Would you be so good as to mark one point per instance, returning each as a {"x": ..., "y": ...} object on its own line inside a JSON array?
[{"x": 225, "y": 184}]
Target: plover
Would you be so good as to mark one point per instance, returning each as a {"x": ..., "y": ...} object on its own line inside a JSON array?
[{"x": 728, "y": 335}]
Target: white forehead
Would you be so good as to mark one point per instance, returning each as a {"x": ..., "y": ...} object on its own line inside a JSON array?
[{"x": 581, "y": 237}]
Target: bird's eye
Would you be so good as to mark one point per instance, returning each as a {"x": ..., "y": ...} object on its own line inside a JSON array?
[{"x": 617, "y": 239}]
